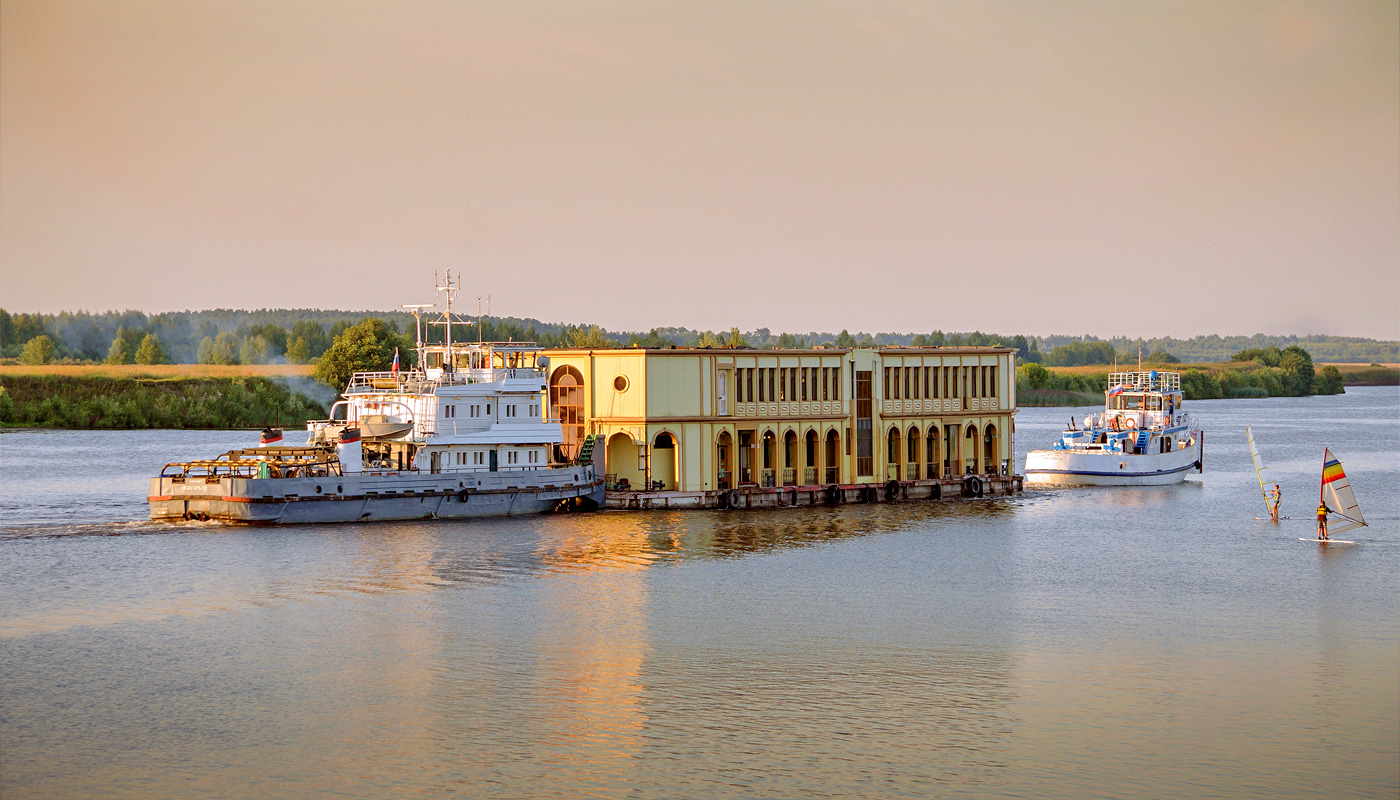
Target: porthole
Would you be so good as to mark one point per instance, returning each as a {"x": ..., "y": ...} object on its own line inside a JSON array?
[
  {"x": 318, "y": 488},
  {"x": 620, "y": 383},
  {"x": 339, "y": 488}
]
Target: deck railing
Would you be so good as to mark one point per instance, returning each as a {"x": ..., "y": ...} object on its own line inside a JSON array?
[{"x": 809, "y": 476}]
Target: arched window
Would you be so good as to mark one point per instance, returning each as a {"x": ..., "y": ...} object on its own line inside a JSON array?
[{"x": 566, "y": 406}]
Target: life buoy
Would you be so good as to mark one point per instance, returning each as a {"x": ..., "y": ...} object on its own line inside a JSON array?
[
  {"x": 833, "y": 495},
  {"x": 1130, "y": 422},
  {"x": 972, "y": 486},
  {"x": 891, "y": 491}
]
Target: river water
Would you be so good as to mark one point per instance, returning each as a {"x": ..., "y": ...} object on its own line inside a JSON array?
[{"x": 1137, "y": 642}]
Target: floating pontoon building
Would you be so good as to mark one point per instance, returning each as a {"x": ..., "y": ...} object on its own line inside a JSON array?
[{"x": 704, "y": 427}]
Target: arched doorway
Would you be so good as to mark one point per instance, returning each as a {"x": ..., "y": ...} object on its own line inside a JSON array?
[
  {"x": 724, "y": 461},
  {"x": 809, "y": 460},
  {"x": 769, "y": 462},
  {"x": 663, "y": 462},
  {"x": 621, "y": 467},
  {"x": 932, "y": 457},
  {"x": 790, "y": 458},
  {"x": 566, "y": 406},
  {"x": 893, "y": 454},
  {"x": 911, "y": 462},
  {"x": 990, "y": 461},
  {"x": 833, "y": 458},
  {"x": 969, "y": 450}
]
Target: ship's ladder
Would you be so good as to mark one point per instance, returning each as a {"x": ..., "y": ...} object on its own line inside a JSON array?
[
  {"x": 585, "y": 452},
  {"x": 1142, "y": 438}
]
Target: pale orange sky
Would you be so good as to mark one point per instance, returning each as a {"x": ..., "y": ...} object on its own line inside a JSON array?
[{"x": 1110, "y": 168}]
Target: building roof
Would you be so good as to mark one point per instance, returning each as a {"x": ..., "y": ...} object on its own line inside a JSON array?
[{"x": 819, "y": 351}]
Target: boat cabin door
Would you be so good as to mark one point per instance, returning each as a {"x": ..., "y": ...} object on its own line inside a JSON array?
[
  {"x": 494, "y": 462},
  {"x": 436, "y": 462}
]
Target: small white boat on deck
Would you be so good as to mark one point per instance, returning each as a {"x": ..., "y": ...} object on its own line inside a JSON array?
[{"x": 1142, "y": 438}]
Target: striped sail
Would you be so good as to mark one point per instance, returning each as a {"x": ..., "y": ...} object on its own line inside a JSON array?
[
  {"x": 1337, "y": 494},
  {"x": 1259, "y": 468}
]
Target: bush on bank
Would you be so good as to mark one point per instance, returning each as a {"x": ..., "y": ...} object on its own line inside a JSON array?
[{"x": 54, "y": 401}]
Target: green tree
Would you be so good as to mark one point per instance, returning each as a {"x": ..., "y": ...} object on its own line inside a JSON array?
[
  {"x": 1297, "y": 369},
  {"x": 1034, "y": 375},
  {"x": 221, "y": 349},
  {"x": 1328, "y": 381},
  {"x": 254, "y": 350},
  {"x": 299, "y": 351},
  {"x": 367, "y": 347},
  {"x": 38, "y": 350},
  {"x": 708, "y": 339},
  {"x": 736, "y": 339},
  {"x": 120, "y": 351},
  {"x": 592, "y": 336},
  {"x": 150, "y": 351},
  {"x": 845, "y": 340}
]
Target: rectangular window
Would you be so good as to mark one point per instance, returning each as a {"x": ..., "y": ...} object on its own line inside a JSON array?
[
  {"x": 748, "y": 385},
  {"x": 865, "y": 455},
  {"x": 510, "y": 410},
  {"x": 478, "y": 458},
  {"x": 993, "y": 393},
  {"x": 835, "y": 383},
  {"x": 909, "y": 392},
  {"x": 792, "y": 383},
  {"x": 926, "y": 371},
  {"x": 826, "y": 383},
  {"x": 772, "y": 375}
]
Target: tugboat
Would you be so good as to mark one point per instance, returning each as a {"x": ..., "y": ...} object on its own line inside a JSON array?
[
  {"x": 467, "y": 432},
  {"x": 1142, "y": 438}
]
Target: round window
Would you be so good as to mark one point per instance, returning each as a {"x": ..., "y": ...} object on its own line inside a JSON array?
[{"x": 620, "y": 383}]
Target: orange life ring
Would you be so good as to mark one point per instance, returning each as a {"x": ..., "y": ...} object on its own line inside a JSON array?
[{"x": 1130, "y": 422}]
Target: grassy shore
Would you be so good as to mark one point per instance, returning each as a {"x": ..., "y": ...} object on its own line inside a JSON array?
[
  {"x": 165, "y": 396},
  {"x": 1076, "y": 386}
]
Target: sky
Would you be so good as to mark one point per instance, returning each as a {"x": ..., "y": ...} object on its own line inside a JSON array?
[{"x": 1109, "y": 168}]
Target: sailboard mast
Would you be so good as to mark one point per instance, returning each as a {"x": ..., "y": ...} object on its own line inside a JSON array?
[
  {"x": 1335, "y": 492},
  {"x": 1259, "y": 468}
]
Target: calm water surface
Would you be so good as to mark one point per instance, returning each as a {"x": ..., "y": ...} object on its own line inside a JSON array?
[{"x": 1150, "y": 642}]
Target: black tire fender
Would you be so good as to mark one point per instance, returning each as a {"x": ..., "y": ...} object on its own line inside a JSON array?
[
  {"x": 833, "y": 495},
  {"x": 731, "y": 498},
  {"x": 935, "y": 492},
  {"x": 972, "y": 486},
  {"x": 891, "y": 491}
]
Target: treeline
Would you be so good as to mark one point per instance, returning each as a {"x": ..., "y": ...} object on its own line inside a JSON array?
[
  {"x": 61, "y": 401},
  {"x": 1265, "y": 372},
  {"x": 227, "y": 336}
]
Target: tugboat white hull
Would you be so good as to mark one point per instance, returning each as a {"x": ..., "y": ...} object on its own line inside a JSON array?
[
  {"x": 1070, "y": 468},
  {"x": 370, "y": 496}
]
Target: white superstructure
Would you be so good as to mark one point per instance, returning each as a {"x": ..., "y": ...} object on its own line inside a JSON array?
[
  {"x": 465, "y": 432},
  {"x": 1142, "y": 437}
]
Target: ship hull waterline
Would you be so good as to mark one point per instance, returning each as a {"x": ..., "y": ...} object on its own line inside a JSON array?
[
  {"x": 1070, "y": 468},
  {"x": 372, "y": 497}
]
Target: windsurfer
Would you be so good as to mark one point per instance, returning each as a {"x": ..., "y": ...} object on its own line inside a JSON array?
[
  {"x": 1275, "y": 498},
  {"x": 1322, "y": 511}
]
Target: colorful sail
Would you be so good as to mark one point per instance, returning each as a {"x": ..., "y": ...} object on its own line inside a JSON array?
[
  {"x": 1337, "y": 494},
  {"x": 1259, "y": 468}
]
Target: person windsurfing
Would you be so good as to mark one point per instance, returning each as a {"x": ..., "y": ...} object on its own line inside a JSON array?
[
  {"x": 1322, "y": 512},
  {"x": 1275, "y": 496}
]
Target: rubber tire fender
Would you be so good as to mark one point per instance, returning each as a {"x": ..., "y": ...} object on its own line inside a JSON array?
[
  {"x": 731, "y": 498},
  {"x": 972, "y": 486},
  {"x": 936, "y": 492},
  {"x": 833, "y": 495},
  {"x": 891, "y": 491}
]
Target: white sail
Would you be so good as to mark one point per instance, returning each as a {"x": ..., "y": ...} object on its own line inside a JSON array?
[
  {"x": 1337, "y": 494},
  {"x": 1259, "y": 468}
]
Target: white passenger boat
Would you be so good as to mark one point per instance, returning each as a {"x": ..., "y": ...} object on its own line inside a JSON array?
[
  {"x": 466, "y": 433},
  {"x": 1142, "y": 438}
]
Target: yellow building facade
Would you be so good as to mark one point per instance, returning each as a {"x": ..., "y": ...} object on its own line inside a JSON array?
[{"x": 710, "y": 420}]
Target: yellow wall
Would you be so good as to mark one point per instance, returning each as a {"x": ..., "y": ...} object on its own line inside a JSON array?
[{"x": 676, "y": 392}]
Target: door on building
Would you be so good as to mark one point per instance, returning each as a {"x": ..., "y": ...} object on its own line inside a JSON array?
[{"x": 493, "y": 460}]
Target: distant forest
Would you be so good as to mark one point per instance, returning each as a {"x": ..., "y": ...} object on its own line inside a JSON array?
[{"x": 226, "y": 336}]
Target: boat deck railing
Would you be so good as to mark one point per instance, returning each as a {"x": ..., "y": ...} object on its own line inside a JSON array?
[
  {"x": 1153, "y": 381},
  {"x": 416, "y": 382}
]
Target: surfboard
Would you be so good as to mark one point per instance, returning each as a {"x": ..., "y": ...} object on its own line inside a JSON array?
[
  {"x": 1269, "y": 519},
  {"x": 1327, "y": 541}
]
